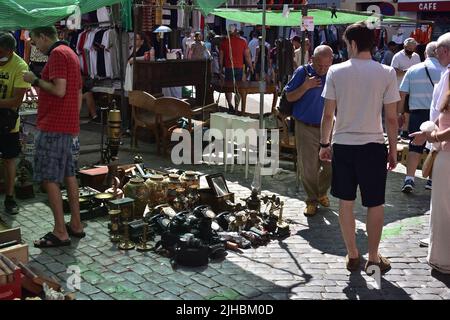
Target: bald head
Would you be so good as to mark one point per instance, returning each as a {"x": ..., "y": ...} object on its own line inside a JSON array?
[
  {"x": 443, "y": 49},
  {"x": 322, "y": 59},
  {"x": 323, "y": 51}
]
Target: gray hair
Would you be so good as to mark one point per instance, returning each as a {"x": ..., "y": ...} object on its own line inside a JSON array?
[
  {"x": 323, "y": 51},
  {"x": 430, "y": 50},
  {"x": 444, "y": 40},
  {"x": 7, "y": 41},
  {"x": 409, "y": 41}
]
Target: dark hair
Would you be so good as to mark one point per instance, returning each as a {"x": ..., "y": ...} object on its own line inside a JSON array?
[
  {"x": 296, "y": 38},
  {"x": 362, "y": 35},
  {"x": 7, "y": 41},
  {"x": 49, "y": 32}
]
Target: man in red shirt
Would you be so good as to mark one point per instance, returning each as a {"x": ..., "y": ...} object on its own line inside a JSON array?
[
  {"x": 58, "y": 121},
  {"x": 233, "y": 60}
]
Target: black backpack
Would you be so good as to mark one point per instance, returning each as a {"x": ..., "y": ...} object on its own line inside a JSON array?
[{"x": 285, "y": 107}]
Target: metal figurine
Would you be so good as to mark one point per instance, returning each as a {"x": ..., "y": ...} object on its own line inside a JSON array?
[
  {"x": 282, "y": 227},
  {"x": 115, "y": 219}
]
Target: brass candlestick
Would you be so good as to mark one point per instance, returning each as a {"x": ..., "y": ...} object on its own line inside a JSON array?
[
  {"x": 126, "y": 243},
  {"x": 143, "y": 245},
  {"x": 282, "y": 227},
  {"x": 115, "y": 218}
]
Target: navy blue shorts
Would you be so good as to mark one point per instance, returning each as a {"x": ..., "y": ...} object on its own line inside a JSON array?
[
  {"x": 416, "y": 118},
  {"x": 361, "y": 165},
  {"x": 53, "y": 159},
  {"x": 238, "y": 74},
  {"x": 10, "y": 145}
]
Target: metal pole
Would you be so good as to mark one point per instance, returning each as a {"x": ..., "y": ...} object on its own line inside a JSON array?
[{"x": 302, "y": 44}]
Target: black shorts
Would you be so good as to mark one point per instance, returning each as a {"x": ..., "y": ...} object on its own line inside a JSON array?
[
  {"x": 416, "y": 118},
  {"x": 10, "y": 145},
  {"x": 361, "y": 165}
]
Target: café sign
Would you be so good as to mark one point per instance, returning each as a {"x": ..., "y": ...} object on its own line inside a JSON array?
[{"x": 417, "y": 5}]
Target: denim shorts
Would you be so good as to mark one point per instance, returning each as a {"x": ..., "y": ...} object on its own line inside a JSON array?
[
  {"x": 237, "y": 72},
  {"x": 53, "y": 159}
]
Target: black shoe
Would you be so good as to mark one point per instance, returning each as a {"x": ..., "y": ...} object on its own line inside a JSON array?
[
  {"x": 96, "y": 119},
  {"x": 429, "y": 185},
  {"x": 11, "y": 207}
]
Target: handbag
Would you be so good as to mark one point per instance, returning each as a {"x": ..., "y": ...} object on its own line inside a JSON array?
[
  {"x": 8, "y": 119},
  {"x": 427, "y": 167}
]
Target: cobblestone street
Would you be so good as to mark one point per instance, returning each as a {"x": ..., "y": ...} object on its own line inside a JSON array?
[{"x": 310, "y": 264}]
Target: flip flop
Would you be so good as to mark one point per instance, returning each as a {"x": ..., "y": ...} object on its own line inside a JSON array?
[
  {"x": 51, "y": 241},
  {"x": 72, "y": 233}
]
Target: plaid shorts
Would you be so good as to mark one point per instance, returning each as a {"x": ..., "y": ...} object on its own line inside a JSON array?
[{"x": 53, "y": 159}]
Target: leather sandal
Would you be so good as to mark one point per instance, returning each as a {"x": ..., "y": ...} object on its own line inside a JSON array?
[
  {"x": 352, "y": 264},
  {"x": 384, "y": 265}
]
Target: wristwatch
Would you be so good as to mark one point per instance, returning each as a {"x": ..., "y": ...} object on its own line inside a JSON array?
[
  {"x": 35, "y": 82},
  {"x": 324, "y": 145}
]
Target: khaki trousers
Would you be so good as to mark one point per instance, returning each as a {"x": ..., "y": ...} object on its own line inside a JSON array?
[{"x": 315, "y": 175}]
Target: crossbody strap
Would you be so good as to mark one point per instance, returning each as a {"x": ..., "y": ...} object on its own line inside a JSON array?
[{"x": 429, "y": 77}]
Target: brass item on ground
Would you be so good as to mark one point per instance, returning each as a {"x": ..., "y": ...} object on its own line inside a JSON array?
[
  {"x": 114, "y": 215},
  {"x": 190, "y": 178},
  {"x": 157, "y": 189},
  {"x": 282, "y": 227},
  {"x": 173, "y": 182},
  {"x": 137, "y": 190},
  {"x": 143, "y": 245},
  {"x": 126, "y": 243},
  {"x": 180, "y": 203},
  {"x": 115, "y": 190}
]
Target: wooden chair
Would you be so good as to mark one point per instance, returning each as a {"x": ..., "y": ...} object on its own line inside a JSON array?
[
  {"x": 171, "y": 110},
  {"x": 143, "y": 115}
]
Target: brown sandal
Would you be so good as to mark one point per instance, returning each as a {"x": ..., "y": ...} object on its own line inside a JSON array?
[
  {"x": 352, "y": 264},
  {"x": 384, "y": 265}
]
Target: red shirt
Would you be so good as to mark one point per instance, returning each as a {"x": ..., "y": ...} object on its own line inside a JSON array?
[
  {"x": 61, "y": 114},
  {"x": 238, "y": 47}
]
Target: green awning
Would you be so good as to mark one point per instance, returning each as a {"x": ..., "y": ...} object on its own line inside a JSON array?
[
  {"x": 206, "y": 6},
  {"x": 321, "y": 17},
  {"x": 28, "y": 14}
]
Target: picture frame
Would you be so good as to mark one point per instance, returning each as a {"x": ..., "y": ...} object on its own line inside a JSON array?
[{"x": 218, "y": 184}]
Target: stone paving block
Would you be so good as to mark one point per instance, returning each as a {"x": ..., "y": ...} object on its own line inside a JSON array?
[
  {"x": 117, "y": 268},
  {"x": 123, "y": 296},
  {"x": 140, "y": 269},
  {"x": 133, "y": 277},
  {"x": 101, "y": 296},
  {"x": 300, "y": 296},
  {"x": 191, "y": 296},
  {"x": 334, "y": 296},
  {"x": 180, "y": 279},
  {"x": 201, "y": 290},
  {"x": 155, "y": 278},
  {"x": 142, "y": 295},
  {"x": 56, "y": 267},
  {"x": 109, "y": 287},
  {"x": 151, "y": 288},
  {"x": 80, "y": 296},
  {"x": 204, "y": 281},
  {"x": 162, "y": 269},
  {"x": 127, "y": 286},
  {"x": 426, "y": 297},
  {"x": 88, "y": 289},
  {"x": 412, "y": 284},
  {"x": 227, "y": 293},
  {"x": 65, "y": 259},
  {"x": 173, "y": 288},
  {"x": 303, "y": 288},
  {"x": 167, "y": 296}
]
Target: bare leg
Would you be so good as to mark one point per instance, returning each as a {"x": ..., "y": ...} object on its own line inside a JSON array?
[
  {"x": 90, "y": 101},
  {"x": 74, "y": 203},
  {"x": 229, "y": 97},
  {"x": 413, "y": 162},
  {"x": 10, "y": 175},
  {"x": 347, "y": 222},
  {"x": 374, "y": 225},
  {"x": 55, "y": 199}
]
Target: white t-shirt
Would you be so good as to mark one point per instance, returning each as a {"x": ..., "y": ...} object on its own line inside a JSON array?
[
  {"x": 252, "y": 46},
  {"x": 360, "y": 88},
  {"x": 402, "y": 62},
  {"x": 298, "y": 57}
]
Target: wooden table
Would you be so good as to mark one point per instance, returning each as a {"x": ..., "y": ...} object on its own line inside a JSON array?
[{"x": 244, "y": 88}]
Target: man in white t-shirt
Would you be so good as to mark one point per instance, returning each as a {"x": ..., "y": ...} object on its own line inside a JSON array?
[
  {"x": 359, "y": 152},
  {"x": 405, "y": 59}
]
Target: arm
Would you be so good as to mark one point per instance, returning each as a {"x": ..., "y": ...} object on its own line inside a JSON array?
[
  {"x": 325, "y": 129},
  {"x": 15, "y": 101},
  {"x": 248, "y": 58},
  {"x": 297, "y": 94},
  {"x": 399, "y": 72},
  {"x": 401, "y": 103},
  {"x": 390, "y": 117},
  {"x": 56, "y": 87}
]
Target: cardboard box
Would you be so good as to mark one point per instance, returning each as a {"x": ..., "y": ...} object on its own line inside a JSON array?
[{"x": 18, "y": 252}]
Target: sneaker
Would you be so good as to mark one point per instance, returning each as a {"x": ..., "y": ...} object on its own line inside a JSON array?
[
  {"x": 384, "y": 265},
  {"x": 310, "y": 210},
  {"x": 408, "y": 186},
  {"x": 324, "y": 201},
  {"x": 428, "y": 185},
  {"x": 11, "y": 207},
  {"x": 404, "y": 135},
  {"x": 424, "y": 243}
]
